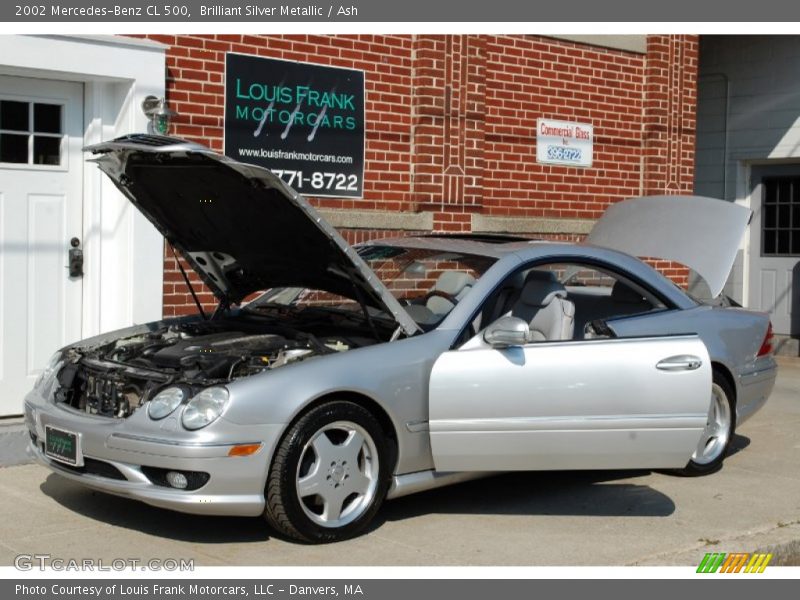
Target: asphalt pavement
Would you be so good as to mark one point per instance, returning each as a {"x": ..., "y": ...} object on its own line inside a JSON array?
[{"x": 579, "y": 518}]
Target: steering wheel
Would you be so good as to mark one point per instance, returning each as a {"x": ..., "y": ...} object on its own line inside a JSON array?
[{"x": 449, "y": 297}]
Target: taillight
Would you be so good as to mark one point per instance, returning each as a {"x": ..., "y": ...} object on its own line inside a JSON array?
[{"x": 766, "y": 345}]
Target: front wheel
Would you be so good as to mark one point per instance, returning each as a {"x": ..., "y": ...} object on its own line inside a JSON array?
[
  {"x": 718, "y": 433},
  {"x": 329, "y": 475}
]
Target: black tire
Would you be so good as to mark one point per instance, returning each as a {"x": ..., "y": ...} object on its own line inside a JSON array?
[
  {"x": 304, "y": 519},
  {"x": 695, "y": 467}
]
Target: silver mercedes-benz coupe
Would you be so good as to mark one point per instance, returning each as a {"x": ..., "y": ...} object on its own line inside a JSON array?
[{"x": 330, "y": 378}]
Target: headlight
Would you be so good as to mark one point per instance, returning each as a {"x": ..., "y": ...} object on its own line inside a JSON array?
[
  {"x": 45, "y": 380},
  {"x": 205, "y": 407},
  {"x": 165, "y": 402}
]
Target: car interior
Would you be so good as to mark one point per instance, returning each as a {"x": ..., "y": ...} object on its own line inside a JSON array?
[
  {"x": 566, "y": 301},
  {"x": 450, "y": 287},
  {"x": 542, "y": 303}
]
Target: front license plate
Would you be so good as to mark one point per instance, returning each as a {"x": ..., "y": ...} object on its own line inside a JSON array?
[{"x": 62, "y": 446}]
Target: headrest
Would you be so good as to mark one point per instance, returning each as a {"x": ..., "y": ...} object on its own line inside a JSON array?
[
  {"x": 540, "y": 292},
  {"x": 539, "y": 275},
  {"x": 624, "y": 294},
  {"x": 515, "y": 281},
  {"x": 453, "y": 282}
]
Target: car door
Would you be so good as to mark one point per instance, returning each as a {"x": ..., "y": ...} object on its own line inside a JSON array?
[{"x": 591, "y": 404}]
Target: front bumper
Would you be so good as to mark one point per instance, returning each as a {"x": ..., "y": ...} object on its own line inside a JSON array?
[{"x": 116, "y": 450}]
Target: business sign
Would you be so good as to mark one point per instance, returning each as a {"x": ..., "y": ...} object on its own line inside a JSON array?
[
  {"x": 304, "y": 122},
  {"x": 564, "y": 143}
]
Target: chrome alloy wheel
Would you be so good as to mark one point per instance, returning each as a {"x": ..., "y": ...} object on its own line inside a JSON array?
[
  {"x": 718, "y": 427},
  {"x": 337, "y": 475}
]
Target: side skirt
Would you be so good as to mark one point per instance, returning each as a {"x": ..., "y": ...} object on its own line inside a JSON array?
[{"x": 421, "y": 481}]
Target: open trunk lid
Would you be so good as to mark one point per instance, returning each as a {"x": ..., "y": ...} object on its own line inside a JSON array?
[{"x": 701, "y": 233}]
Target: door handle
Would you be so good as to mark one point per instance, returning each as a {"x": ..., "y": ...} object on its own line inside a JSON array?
[
  {"x": 75, "y": 258},
  {"x": 683, "y": 362}
]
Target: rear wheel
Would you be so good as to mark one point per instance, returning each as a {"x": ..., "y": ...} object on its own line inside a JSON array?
[
  {"x": 718, "y": 433},
  {"x": 330, "y": 474}
]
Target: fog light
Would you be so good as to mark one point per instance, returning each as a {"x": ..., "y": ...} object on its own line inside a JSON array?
[{"x": 177, "y": 480}]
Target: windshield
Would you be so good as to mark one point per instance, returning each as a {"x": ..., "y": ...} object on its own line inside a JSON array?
[{"x": 428, "y": 283}]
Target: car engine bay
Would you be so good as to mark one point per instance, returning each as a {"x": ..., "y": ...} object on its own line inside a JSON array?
[{"x": 115, "y": 378}]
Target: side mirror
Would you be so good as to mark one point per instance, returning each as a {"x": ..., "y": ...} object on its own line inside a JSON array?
[{"x": 507, "y": 331}]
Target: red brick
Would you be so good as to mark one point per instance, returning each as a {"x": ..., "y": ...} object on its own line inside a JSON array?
[{"x": 481, "y": 128}]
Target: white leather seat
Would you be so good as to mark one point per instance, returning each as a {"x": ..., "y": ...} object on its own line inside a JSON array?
[
  {"x": 453, "y": 283},
  {"x": 543, "y": 304}
]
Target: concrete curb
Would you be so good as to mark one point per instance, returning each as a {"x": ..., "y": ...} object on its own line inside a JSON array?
[{"x": 13, "y": 441}]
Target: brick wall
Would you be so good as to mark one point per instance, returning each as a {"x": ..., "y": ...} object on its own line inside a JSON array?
[
  {"x": 530, "y": 78},
  {"x": 450, "y": 122}
]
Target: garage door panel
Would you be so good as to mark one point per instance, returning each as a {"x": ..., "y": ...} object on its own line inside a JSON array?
[
  {"x": 46, "y": 252},
  {"x": 788, "y": 304},
  {"x": 13, "y": 283},
  {"x": 768, "y": 290}
]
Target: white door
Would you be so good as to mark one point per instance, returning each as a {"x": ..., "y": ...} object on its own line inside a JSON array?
[
  {"x": 41, "y": 173},
  {"x": 775, "y": 246},
  {"x": 593, "y": 404}
]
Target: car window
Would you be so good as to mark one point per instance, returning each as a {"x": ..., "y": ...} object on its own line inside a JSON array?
[
  {"x": 566, "y": 301},
  {"x": 427, "y": 282},
  {"x": 305, "y": 298},
  {"x": 413, "y": 273}
]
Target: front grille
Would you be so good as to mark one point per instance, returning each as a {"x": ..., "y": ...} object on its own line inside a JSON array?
[{"x": 92, "y": 466}]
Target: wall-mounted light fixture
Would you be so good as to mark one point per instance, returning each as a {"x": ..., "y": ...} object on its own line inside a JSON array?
[{"x": 159, "y": 114}]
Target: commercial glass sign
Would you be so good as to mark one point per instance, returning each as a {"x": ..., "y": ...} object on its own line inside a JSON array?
[
  {"x": 304, "y": 122},
  {"x": 564, "y": 143}
]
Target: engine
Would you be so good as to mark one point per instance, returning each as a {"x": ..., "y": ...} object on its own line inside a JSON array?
[{"x": 117, "y": 378}]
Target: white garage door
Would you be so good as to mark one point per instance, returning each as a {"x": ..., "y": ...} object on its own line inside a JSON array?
[
  {"x": 775, "y": 246},
  {"x": 41, "y": 171}
]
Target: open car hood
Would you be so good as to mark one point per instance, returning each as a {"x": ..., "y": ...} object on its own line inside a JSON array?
[
  {"x": 239, "y": 226},
  {"x": 701, "y": 233}
]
